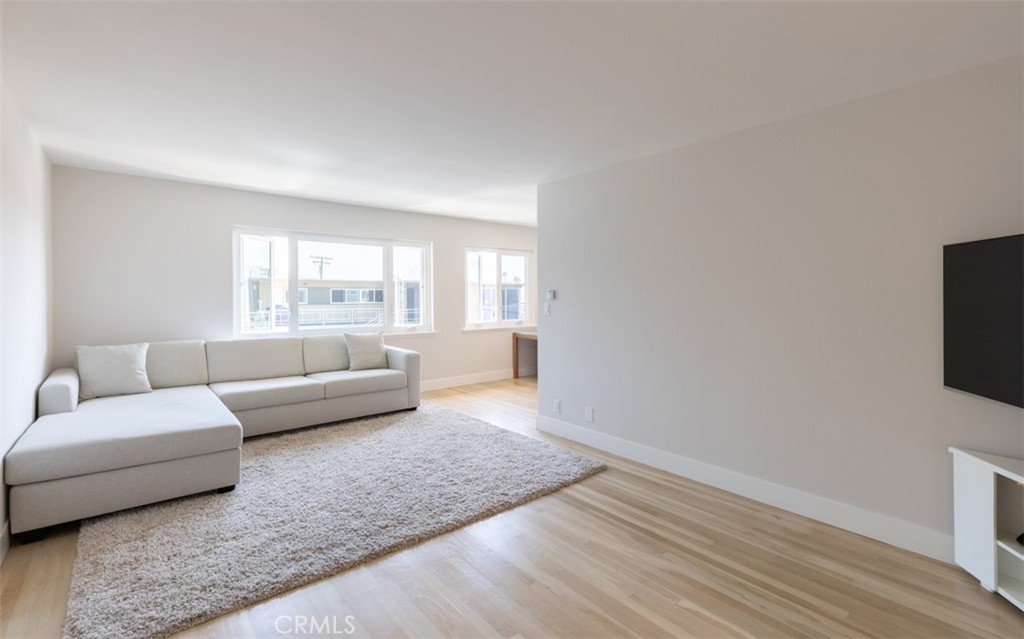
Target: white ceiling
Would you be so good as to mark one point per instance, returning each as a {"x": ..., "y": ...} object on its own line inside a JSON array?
[{"x": 452, "y": 108}]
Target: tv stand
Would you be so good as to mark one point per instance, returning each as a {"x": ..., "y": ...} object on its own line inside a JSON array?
[{"x": 988, "y": 516}]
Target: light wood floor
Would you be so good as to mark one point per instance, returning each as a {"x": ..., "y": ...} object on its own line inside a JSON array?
[{"x": 630, "y": 552}]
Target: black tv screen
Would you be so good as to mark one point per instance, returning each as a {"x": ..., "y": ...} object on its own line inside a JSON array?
[{"x": 983, "y": 304}]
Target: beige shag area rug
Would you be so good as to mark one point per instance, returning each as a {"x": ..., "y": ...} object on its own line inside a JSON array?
[{"x": 310, "y": 504}]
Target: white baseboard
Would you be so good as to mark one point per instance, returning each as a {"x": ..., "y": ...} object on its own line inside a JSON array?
[
  {"x": 464, "y": 380},
  {"x": 5, "y": 540},
  {"x": 897, "y": 532}
]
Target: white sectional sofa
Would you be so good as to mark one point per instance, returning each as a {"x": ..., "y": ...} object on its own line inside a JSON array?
[{"x": 180, "y": 430}]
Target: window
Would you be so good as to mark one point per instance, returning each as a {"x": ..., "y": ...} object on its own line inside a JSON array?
[
  {"x": 342, "y": 283},
  {"x": 496, "y": 287},
  {"x": 263, "y": 265},
  {"x": 409, "y": 275}
]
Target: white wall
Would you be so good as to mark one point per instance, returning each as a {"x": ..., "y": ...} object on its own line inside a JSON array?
[
  {"x": 25, "y": 279},
  {"x": 763, "y": 311},
  {"x": 140, "y": 259}
]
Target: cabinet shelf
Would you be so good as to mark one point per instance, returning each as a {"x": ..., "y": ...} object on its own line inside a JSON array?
[
  {"x": 1007, "y": 540},
  {"x": 1012, "y": 589}
]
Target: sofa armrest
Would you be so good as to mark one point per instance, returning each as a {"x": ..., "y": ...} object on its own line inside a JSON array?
[
  {"x": 402, "y": 359},
  {"x": 59, "y": 393}
]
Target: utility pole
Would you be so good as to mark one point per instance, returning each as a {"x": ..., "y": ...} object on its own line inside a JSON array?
[{"x": 320, "y": 260}]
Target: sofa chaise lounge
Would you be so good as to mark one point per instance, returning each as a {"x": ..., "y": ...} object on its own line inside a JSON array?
[{"x": 181, "y": 432}]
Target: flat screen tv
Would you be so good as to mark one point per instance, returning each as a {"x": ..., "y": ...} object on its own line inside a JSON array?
[{"x": 983, "y": 318}]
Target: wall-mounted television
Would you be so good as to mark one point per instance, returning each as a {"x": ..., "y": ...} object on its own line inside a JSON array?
[{"x": 983, "y": 318}]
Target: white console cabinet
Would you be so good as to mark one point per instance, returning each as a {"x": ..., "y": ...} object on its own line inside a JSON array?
[{"x": 988, "y": 515}]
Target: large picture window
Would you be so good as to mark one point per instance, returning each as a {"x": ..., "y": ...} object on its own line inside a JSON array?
[
  {"x": 341, "y": 283},
  {"x": 496, "y": 288}
]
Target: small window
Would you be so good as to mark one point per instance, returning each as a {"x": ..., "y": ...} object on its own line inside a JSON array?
[
  {"x": 303, "y": 296},
  {"x": 496, "y": 288}
]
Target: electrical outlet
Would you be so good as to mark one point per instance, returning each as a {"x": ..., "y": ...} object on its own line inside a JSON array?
[
  {"x": 588, "y": 413},
  {"x": 557, "y": 405}
]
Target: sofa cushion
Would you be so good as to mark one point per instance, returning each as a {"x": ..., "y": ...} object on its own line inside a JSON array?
[
  {"x": 325, "y": 353},
  {"x": 344, "y": 383},
  {"x": 233, "y": 360},
  {"x": 260, "y": 393},
  {"x": 121, "y": 431},
  {"x": 112, "y": 370},
  {"x": 181, "y": 363},
  {"x": 366, "y": 351}
]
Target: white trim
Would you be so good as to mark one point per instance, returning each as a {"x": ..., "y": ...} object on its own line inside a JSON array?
[
  {"x": 409, "y": 333},
  {"x": 885, "y": 528},
  {"x": 505, "y": 329},
  {"x": 465, "y": 380},
  {"x": 317, "y": 330},
  {"x": 5, "y": 539}
]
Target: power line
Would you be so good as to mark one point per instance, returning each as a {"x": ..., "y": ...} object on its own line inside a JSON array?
[{"x": 320, "y": 260}]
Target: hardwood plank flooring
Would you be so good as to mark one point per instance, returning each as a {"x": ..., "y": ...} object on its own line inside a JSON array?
[{"x": 632, "y": 552}]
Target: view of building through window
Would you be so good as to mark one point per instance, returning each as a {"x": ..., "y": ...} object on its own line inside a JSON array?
[
  {"x": 339, "y": 283},
  {"x": 344, "y": 284},
  {"x": 496, "y": 289},
  {"x": 264, "y": 295}
]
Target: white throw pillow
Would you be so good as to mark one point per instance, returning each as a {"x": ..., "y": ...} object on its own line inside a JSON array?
[
  {"x": 112, "y": 370},
  {"x": 323, "y": 353},
  {"x": 366, "y": 351}
]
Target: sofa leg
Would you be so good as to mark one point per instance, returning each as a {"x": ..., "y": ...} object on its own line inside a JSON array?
[
  {"x": 225, "y": 489},
  {"x": 29, "y": 536}
]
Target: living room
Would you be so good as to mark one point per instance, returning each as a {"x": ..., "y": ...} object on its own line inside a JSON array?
[{"x": 732, "y": 217}]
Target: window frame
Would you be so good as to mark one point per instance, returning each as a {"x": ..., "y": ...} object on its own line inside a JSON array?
[
  {"x": 390, "y": 327},
  {"x": 499, "y": 289}
]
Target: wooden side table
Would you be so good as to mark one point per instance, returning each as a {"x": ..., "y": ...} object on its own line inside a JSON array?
[{"x": 516, "y": 336}]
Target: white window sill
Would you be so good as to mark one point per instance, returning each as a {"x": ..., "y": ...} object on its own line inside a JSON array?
[
  {"x": 312, "y": 332},
  {"x": 411, "y": 334},
  {"x": 507, "y": 328}
]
